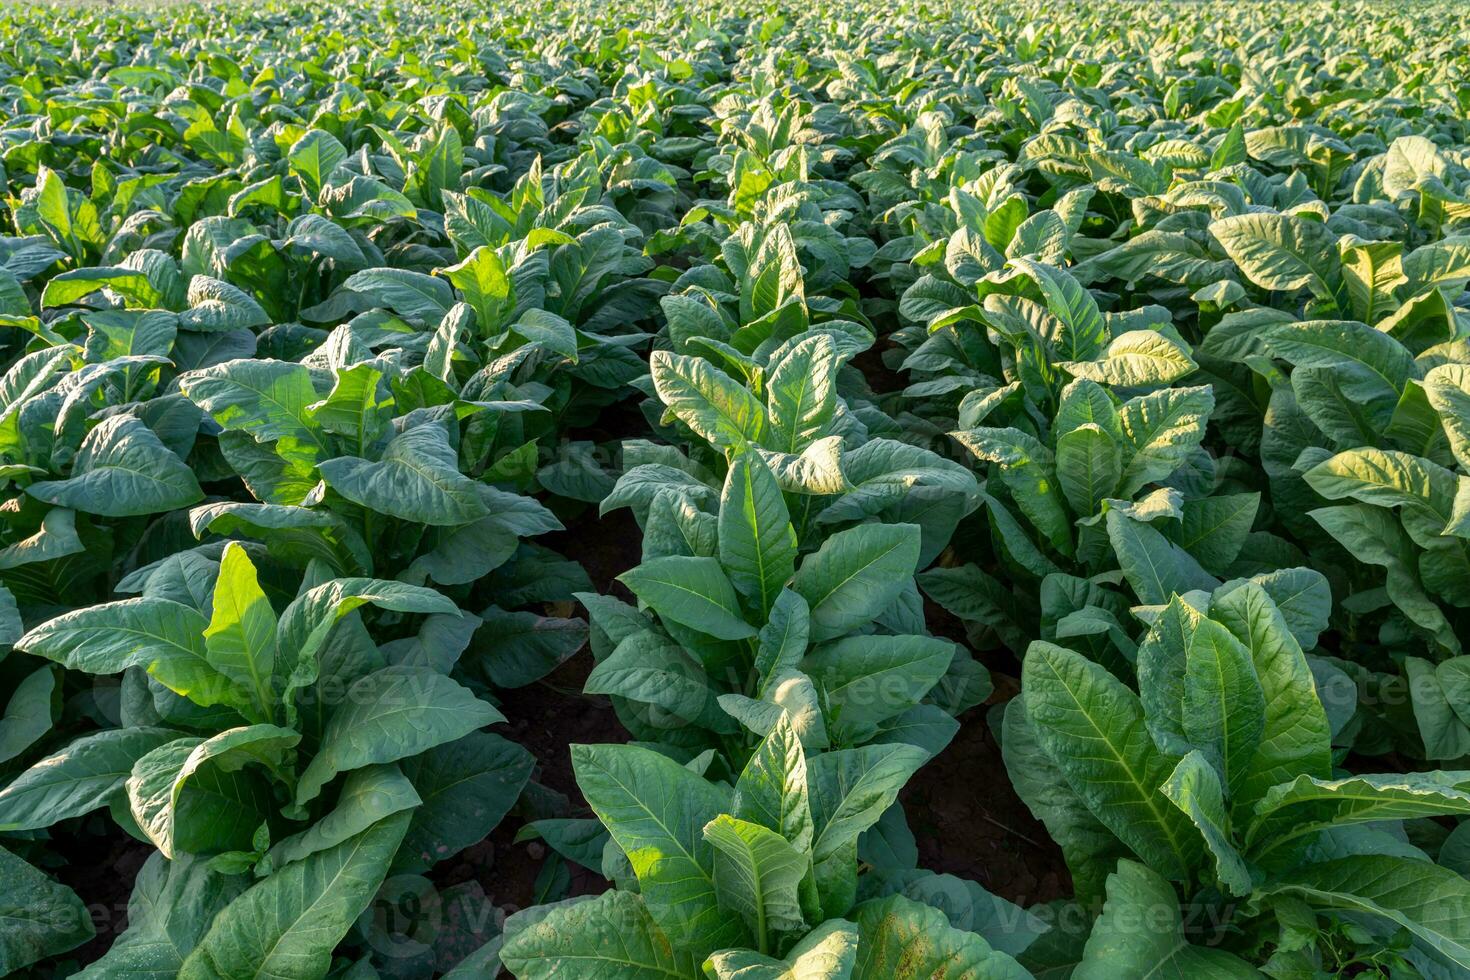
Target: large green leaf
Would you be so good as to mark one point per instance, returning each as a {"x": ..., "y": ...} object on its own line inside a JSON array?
[
  {"x": 1433, "y": 903},
  {"x": 417, "y": 478},
  {"x": 122, "y": 470},
  {"x": 1161, "y": 661},
  {"x": 41, "y": 917},
  {"x": 1029, "y": 470},
  {"x": 1089, "y": 464},
  {"x": 868, "y": 679},
  {"x": 486, "y": 285},
  {"x": 717, "y": 407},
  {"x": 849, "y": 790},
  {"x": 1083, "y": 329},
  {"x": 196, "y": 796},
  {"x": 1160, "y": 431},
  {"x": 405, "y": 292},
  {"x": 368, "y": 795},
  {"x": 1091, "y": 850},
  {"x": 1368, "y": 366},
  {"x": 389, "y": 715},
  {"x": 549, "y": 330},
  {"x": 653, "y": 670},
  {"x": 1215, "y": 529},
  {"x": 169, "y": 911},
  {"x": 358, "y": 407},
  {"x": 757, "y": 544},
  {"x": 877, "y": 475},
  {"x": 1386, "y": 478},
  {"x": 656, "y": 811},
  {"x": 828, "y": 952},
  {"x": 1141, "y": 933},
  {"x": 313, "y": 157},
  {"x": 294, "y": 535},
  {"x": 520, "y": 648},
  {"x": 1296, "y": 738},
  {"x": 308, "y": 622},
  {"x": 269, "y": 400},
  {"x": 87, "y": 774},
  {"x": 610, "y": 937},
  {"x": 1004, "y": 925},
  {"x": 319, "y": 234},
  {"x": 288, "y": 924},
  {"x": 1448, "y": 389},
  {"x": 690, "y": 591},
  {"x": 466, "y": 787},
  {"x": 1376, "y": 536},
  {"x": 240, "y": 642},
  {"x": 1301, "y": 595},
  {"x": 801, "y": 393},
  {"x": 1223, "y": 709},
  {"x": 1195, "y": 788},
  {"x": 160, "y": 635},
  {"x": 1093, "y": 728},
  {"x": 1285, "y": 252},
  {"x": 29, "y": 711},
  {"x": 783, "y": 640},
  {"x": 1299, "y": 810},
  {"x": 772, "y": 788},
  {"x": 757, "y": 874},
  {"x": 900, "y": 939},
  {"x": 1157, "y": 568},
  {"x": 856, "y": 575},
  {"x": 1136, "y": 359}
]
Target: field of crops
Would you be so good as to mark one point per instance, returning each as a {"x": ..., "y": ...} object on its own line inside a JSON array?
[{"x": 745, "y": 491}]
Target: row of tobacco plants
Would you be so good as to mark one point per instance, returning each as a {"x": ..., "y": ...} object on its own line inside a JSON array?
[{"x": 1121, "y": 351}]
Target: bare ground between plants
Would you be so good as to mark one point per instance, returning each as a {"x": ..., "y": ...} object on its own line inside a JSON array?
[{"x": 966, "y": 818}]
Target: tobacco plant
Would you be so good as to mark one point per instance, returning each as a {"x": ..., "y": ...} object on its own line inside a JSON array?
[{"x": 1007, "y": 366}]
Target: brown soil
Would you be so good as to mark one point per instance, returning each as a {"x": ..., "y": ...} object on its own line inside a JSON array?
[
  {"x": 100, "y": 869},
  {"x": 605, "y": 547},
  {"x": 546, "y": 718},
  {"x": 551, "y": 715},
  {"x": 969, "y": 822}
]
